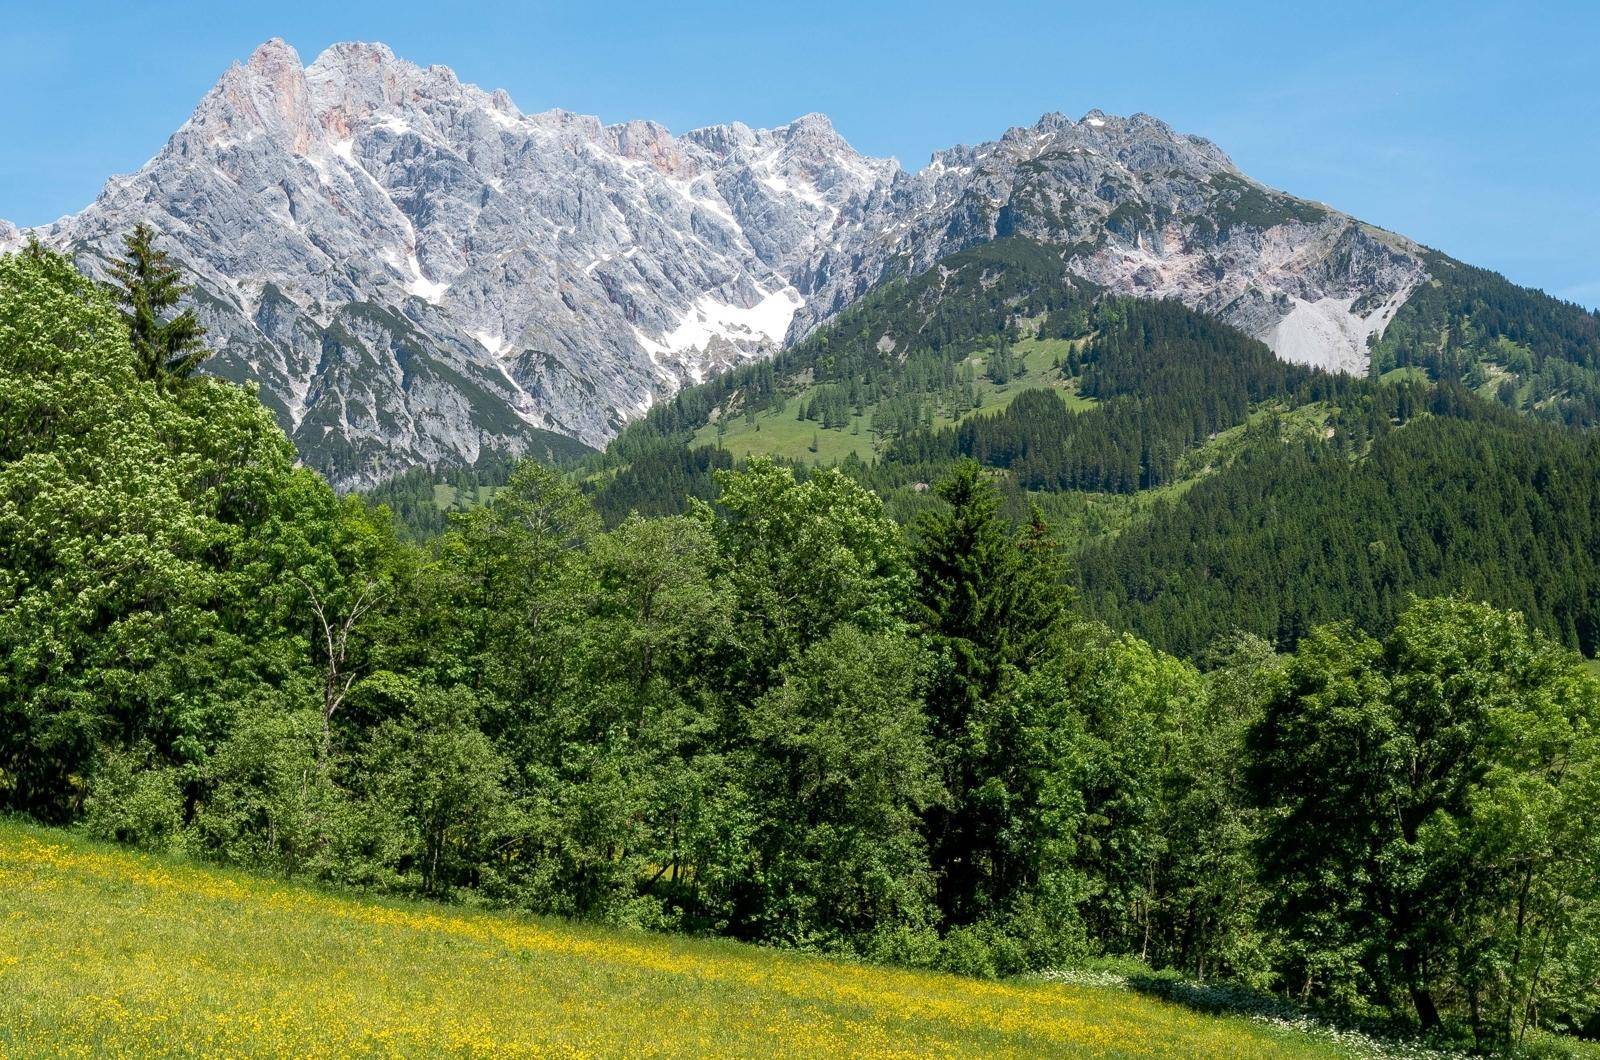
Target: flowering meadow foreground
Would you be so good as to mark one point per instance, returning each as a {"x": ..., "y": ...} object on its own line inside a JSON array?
[{"x": 104, "y": 952}]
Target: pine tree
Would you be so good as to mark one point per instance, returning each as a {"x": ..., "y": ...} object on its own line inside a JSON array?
[
  {"x": 989, "y": 600},
  {"x": 1001, "y": 366},
  {"x": 1044, "y": 592},
  {"x": 147, "y": 286}
]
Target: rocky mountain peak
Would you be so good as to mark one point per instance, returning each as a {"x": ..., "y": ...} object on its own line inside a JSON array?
[
  {"x": 654, "y": 144},
  {"x": 816, "y": 132},
  {"x": 355, "y": 54},
  {"x": 415, "y": 270},
  {"x": 267, "y": 96},
  {"x": 274, "y": 57},
  {"x": 812, "y": 121}
]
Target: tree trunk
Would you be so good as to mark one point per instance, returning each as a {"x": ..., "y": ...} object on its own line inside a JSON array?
[
  {"x": 1475, "y": 1009},
  {"x": 1427, "y": 1011}
]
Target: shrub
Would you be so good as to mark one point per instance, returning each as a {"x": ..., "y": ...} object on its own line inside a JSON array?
[{"x": 131, "y": 801}]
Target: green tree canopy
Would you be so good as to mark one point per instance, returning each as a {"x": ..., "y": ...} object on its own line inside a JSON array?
[{"x": 1449, "y": 777}]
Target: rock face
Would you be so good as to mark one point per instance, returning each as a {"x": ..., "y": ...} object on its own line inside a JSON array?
[
  {"x": 1143, "y": 211},
  {"x": 416, "y": 271}
]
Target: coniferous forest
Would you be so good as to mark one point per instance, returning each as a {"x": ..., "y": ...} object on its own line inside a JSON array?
[
  {"x": 1201, "y": 485},
  {"x": 1313, "y": 720}
]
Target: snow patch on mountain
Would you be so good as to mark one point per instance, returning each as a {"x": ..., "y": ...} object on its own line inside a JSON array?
[
  {"x": 431, "y": 291},
  {"x": 766, "y": 321},
  {"x": 495, "y": 344}
]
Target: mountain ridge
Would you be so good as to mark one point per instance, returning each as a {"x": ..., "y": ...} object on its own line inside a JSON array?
[{"x": 417, "y": 272}]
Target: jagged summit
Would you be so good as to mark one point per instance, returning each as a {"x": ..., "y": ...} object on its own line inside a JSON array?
[
  {"x": 417, "y": 270},
  {"x": 272, "y": 54}
]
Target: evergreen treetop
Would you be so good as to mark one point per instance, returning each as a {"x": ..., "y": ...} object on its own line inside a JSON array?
[{"x": 147, "y": 286}]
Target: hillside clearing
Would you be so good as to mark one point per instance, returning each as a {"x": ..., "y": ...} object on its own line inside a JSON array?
[{"x": 779, "y": 432}]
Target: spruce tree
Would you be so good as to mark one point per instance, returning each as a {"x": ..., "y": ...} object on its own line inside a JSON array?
[
  {"x": 990, "y": 600},
  {"x": 148, "y": 286}
]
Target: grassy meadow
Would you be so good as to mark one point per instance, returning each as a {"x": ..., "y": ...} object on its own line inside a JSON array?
[
  {"x": 782, "y": 434},
  {"x": 105, "y": 952}
]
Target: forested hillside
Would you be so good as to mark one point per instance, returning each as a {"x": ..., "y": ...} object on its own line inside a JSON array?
[
  {"x": 1163, "y": 380},
  {"x": 423, "y": 499},
  {"x": 1298, "y": 531},
  {"x": 1201, "y": 484},
  {"x": 781, "y": 718},
  {"x": 915, "y": 354},
  {"x": 957, "y": 362},
  {"x": 1519, "y": 347}
]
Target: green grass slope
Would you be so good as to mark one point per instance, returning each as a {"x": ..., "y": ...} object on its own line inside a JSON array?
[
  {"x": 782, "y": 434},
  {"x": 103, "y": 952},
  {"x": 1511, "y": 344}
]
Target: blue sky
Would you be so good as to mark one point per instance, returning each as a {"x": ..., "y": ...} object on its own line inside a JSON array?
[{"x": 1472, "y": 127}]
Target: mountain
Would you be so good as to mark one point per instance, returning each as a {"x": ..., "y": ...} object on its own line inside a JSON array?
[
  {"x": 416, "y": 272},
  {"x": 1143, "y": 210},
  {"x": 1199, "y": 483}
]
